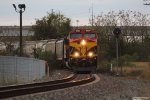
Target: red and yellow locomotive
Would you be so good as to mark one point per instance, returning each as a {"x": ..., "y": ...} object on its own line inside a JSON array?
[
  {"x": 82, "y": 49},
  {"x": 78, "y": 51}
]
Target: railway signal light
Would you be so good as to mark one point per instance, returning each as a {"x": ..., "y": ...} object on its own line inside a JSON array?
[
  {"x": 22, "y": 6},
  {"x": 117, "y": 32}
]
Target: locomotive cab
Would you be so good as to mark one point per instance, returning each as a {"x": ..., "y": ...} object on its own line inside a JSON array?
[{"x": 82, "y": 51}]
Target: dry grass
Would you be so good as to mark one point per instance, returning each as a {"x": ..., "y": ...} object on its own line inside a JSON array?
[
  {"x": 147, "y": 92},
  {"x": 141, "y": 70}
]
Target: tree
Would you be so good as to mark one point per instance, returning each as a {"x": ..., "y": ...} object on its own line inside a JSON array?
[
  {"x": 54, "y": 25},
  {"x": 134, "y": 26}
]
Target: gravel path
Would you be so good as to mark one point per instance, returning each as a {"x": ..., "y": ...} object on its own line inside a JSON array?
[{"x": 108, "y": 88}]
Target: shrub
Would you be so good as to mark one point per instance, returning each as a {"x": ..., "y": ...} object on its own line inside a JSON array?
[
  {"x": 37, "y": 52},
  {"x": 129, "y": 58},
  {"x": 104, "y": 66},
  {"x": 124, "y": 61},
  {"x": 135, "y": 57},
  {"x": 51, "y": 59}
]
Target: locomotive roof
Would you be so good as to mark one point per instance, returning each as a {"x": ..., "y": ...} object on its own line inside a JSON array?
[{"x": 82, "y": 31}]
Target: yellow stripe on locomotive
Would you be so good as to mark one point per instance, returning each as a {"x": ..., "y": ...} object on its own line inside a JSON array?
[{"x": 83, "y": 49}]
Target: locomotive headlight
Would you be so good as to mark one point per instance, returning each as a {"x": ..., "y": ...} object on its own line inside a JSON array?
[
  {"x": 90, "y": 54},
  {"x": 83, "y": 42},
  {"x": 76, "y": 54}
]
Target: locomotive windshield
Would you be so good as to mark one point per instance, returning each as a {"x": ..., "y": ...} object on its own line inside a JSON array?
[
  {"x": 89, "y": 35},
  {"x": 75, "y": 36}
]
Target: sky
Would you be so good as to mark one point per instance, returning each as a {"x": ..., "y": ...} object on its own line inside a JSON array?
[{"x": 73, "y": 9}]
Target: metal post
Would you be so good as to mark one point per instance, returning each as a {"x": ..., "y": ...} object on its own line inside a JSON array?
[
  {"x": 117, "y": 33},
  {"x": 21, "y": 32},
  {"x": 117, "y": 54},
  {"x": 22, "y": 9}
]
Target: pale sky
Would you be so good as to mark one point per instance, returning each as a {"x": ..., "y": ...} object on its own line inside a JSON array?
[{"x": 74, "y": 9}]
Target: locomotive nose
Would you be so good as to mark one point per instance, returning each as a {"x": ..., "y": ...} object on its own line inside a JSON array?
[{"x": 83, "y": 42}]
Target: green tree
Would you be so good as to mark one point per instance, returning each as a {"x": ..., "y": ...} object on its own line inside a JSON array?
[{"x": 54, "y": 25}]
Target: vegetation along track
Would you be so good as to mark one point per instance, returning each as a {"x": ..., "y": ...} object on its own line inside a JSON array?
[{"x": 74, "y": 80}]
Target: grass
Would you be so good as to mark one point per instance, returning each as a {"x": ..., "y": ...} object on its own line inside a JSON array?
[
  {"x": 147, "y": 92},
  {"x": 140, "y": 70}
]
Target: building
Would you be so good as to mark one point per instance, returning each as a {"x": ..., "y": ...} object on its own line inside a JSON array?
[{"x": 15, "y": 31}]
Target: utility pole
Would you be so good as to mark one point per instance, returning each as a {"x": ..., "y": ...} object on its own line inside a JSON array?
[
  {"x": 92, "y": 14},
  {"x": 22, "y": 9},
  {"x": 77, "y": 23},
  {"x": 52, "y": 11}
]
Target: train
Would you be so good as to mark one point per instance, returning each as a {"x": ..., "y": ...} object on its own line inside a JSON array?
[{"x": 77, "y": 51}]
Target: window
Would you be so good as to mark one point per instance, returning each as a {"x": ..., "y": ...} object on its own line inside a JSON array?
[
  {"x": 89, "y": 35},
  {"x": 75, "y": 36}
]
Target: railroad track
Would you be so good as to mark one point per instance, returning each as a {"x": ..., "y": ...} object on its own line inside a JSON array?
[{"x": 74, "y": 80}]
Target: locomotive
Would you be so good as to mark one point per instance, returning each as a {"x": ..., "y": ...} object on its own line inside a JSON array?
[{"x": 78, "y": 50}]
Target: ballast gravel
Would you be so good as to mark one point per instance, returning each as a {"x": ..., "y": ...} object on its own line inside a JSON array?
[
  {"x": 108, "y": 88},
  {"x": 56, "y": 75}
]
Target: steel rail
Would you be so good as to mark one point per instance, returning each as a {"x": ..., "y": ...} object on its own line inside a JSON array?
[
  {"x": 69, "y": 78},
  {"x": 36, "y": 89}
]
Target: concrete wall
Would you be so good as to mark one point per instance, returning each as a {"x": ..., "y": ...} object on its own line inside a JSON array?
[{"x": 20, "y": 70}]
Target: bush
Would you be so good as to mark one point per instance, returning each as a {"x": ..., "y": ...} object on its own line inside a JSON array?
[
  {"x": 124, "y": 61},
  {"x": 51, "y": 59},
  {"x": 37, "y": 52},
  {"x": 135, "y": 57},
  {"x": 104, "y": 66},
  {"x": 129, "y": 58}
]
